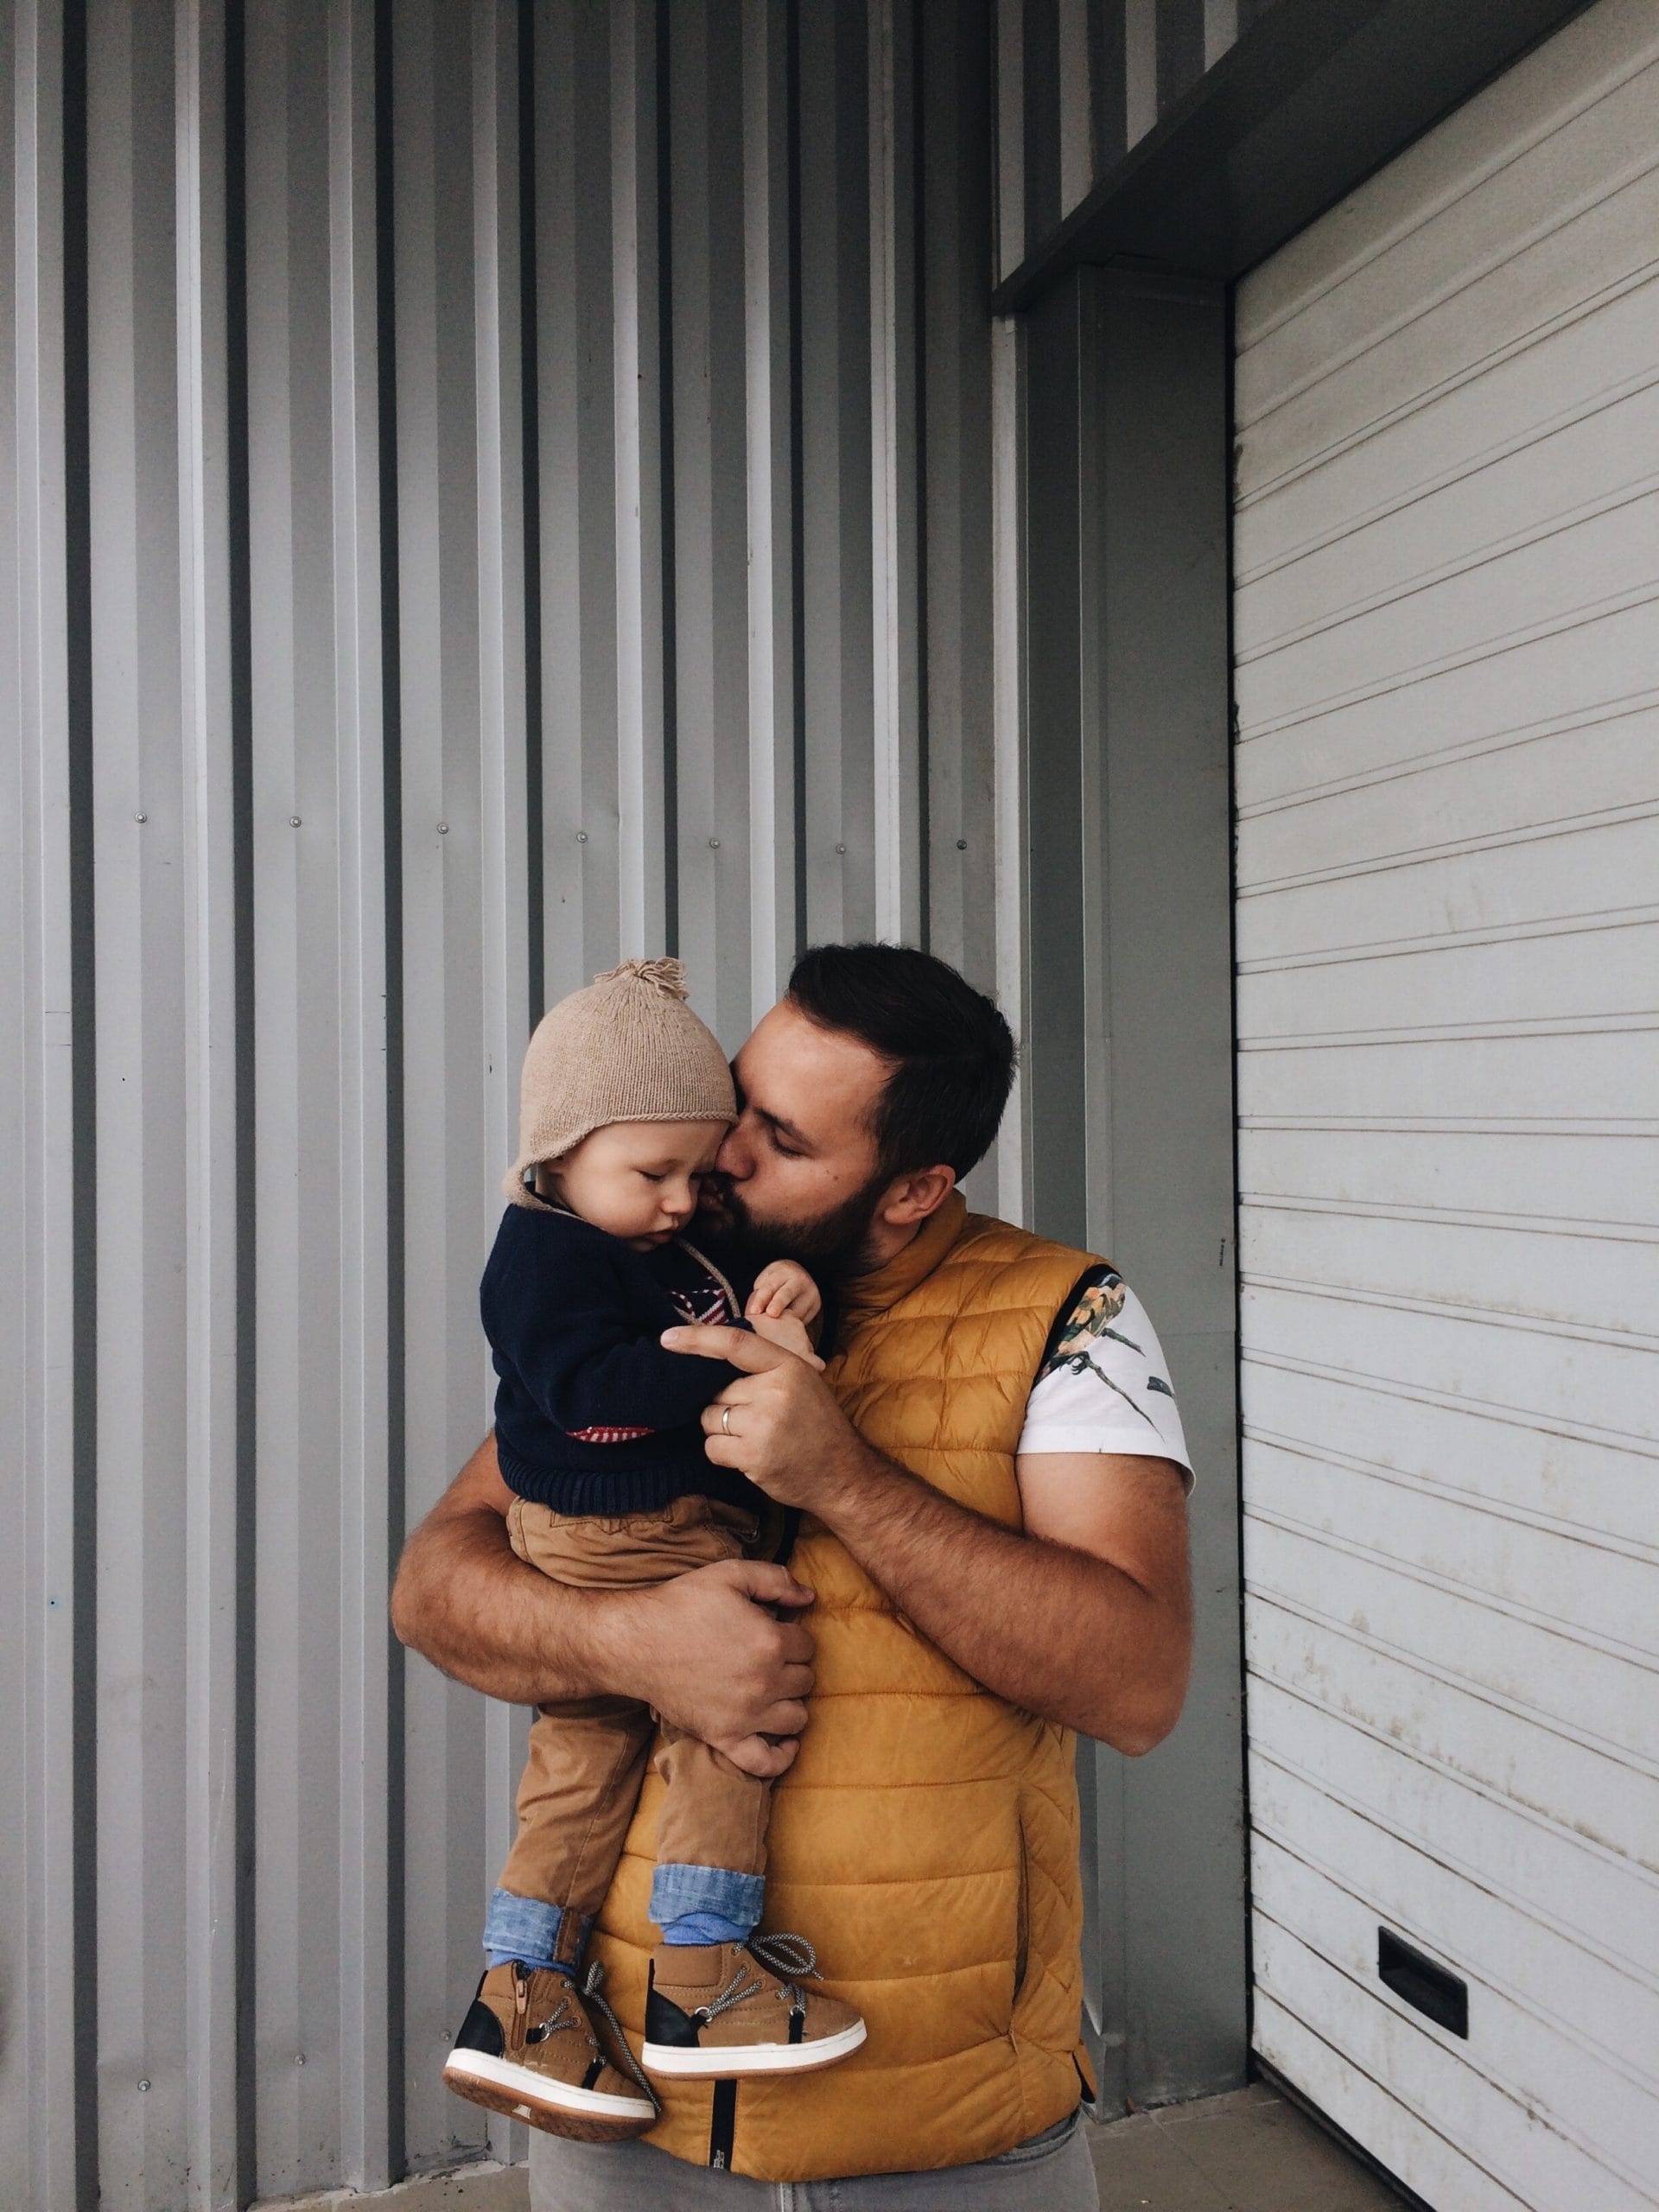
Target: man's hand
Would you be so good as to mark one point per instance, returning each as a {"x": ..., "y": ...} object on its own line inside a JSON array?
[
  {"x": 707, "y": 1649},
  {"x": 778, "y": 1423},
  {"x": 717, "y": 1662}
]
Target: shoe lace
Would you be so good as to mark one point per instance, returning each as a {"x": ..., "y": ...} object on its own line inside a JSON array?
[
  {"x": 592, "y": 1983},
  {"x": 556, "y": 2019},
  {"x": 789, "y": 1958}
]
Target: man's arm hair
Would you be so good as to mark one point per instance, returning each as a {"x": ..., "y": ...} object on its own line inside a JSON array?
[
  {"x": 466, "y": 1602},
  {"x": 721, "y": 1651},
  {"x": 1083, "y": 1616}
]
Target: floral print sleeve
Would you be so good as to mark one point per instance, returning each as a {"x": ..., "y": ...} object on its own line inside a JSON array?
[{"x": 1103, "y": 1384}]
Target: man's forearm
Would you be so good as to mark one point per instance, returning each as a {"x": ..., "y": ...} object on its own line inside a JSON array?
[
  {"x": 720, "y": 1652},
  {"x": 1055, "y": 1629},
  {"x": 475, "y": 1609}
]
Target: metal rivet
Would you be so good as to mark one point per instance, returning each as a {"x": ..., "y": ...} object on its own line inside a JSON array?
[
  {"x": 143, "y": 2085},
  {"x": 962, "y": 844},
  {"x": 444, "y": 829},
  {"x": 840, "y": 848},
  {"x": 293, "y": 821},
  {"x": 713, "y": 844},
  {"x": 299, "y": 2058},
  {"x": 141, "y": 818},
  {"x": 581, "y": 836}
]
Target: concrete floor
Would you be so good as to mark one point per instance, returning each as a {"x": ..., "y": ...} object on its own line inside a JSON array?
[{"x": 1249, "y": 2152}]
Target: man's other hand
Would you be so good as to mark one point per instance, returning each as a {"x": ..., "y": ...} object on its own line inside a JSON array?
[{"x": 718, "y": 1660}]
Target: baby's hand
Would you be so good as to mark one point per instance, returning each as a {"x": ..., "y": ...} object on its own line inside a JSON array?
[
  {"x": 783, "y": 1288},
  {"x": 785, "y": 1330}
]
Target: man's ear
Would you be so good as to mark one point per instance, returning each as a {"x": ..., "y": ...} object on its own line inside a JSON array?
[{"x": 910, "y": 1198}]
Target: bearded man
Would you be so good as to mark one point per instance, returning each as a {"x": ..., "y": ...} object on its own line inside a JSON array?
[{"x": 984, "y": 1506}]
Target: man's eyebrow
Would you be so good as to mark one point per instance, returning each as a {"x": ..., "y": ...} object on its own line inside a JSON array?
[{"x": 781, "y": 1128}]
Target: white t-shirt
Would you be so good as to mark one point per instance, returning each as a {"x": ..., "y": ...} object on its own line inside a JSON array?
[{"x": 1103, "y": 1385}]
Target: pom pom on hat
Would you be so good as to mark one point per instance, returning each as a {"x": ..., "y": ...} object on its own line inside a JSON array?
[{"x": 628, "y": 1048}]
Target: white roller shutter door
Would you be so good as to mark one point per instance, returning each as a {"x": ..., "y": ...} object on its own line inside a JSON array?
[{"x": 1447, "y": 637}]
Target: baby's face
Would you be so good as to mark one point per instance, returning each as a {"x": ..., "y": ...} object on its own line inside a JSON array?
[{"x": 637, "y": 1180}]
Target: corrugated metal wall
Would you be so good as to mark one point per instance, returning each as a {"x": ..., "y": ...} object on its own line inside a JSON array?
[
  {"x": 487, "y": 491},
  {"x": 1080, "y": 83}
]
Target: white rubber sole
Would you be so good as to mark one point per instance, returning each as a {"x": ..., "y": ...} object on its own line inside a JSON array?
[
  {"x": 751, "y": 2058},
  {"x": 538, "y": 2089}
]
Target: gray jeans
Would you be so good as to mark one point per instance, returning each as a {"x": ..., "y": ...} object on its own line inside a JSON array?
[{"x": 1050, "y": 2173}]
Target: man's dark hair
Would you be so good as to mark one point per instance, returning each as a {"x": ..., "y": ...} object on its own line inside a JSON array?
[{"x": 952, "y": 1052}]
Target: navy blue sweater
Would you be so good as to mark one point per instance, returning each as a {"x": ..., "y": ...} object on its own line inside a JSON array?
[{"x": 573, "y": 1316}]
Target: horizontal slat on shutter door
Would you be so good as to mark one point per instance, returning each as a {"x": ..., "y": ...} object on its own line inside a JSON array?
[{"x": 1447, "y": 634}]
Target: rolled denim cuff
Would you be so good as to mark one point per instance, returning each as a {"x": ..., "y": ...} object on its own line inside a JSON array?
[
  {"x": 676, "y": 1891},
  {"x": 541, "y": 1935}
]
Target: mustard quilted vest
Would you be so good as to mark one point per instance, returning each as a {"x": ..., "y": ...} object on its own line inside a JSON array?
[{"x": 925, "y": 1840}]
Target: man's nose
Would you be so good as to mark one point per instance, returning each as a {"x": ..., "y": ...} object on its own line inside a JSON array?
[{"x": 734, "y": 1159}]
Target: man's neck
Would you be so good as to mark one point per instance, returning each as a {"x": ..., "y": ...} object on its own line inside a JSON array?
[{"x": 885, "y": 1241}]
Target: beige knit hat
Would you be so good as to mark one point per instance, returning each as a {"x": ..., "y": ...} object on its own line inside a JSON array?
[{"x": 626, "y": 1049}]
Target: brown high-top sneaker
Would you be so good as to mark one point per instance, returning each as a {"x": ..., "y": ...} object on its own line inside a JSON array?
[
  {"x": 732, "y": 2009},
  {"x": 527, "y": 2048}
]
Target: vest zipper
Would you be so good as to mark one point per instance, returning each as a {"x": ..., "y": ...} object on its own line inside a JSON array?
[{"x": 1023, "y": 1916}]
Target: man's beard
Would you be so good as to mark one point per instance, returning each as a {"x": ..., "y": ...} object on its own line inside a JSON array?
[{"x": 831, "y": 1248}]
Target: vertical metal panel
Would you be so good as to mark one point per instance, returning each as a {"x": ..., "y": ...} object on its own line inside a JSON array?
[
  {"x": 1140, "y": 68},
  {"x": 580, "y": 437},
  {"x": 1055, "y": 643},
  {"x": 1010, "y": 135},
  {"x": 644, "y": 756},
  {"x": 1008, "y": 696},
  {"x": 502, "y": 879},
  {"x": 370, "y": 2147},
  {"x": 149, "y": 1887},
  {"x": 211, "y": 1320},
  {"x": 320, "y": 1691},
  {"x": 838, "y": 677},
  {"x": 1076, "y": 91},
  {"x": 1107, "y": 33},
  {"x": 1220, "y": 29},
  {"x": 1042, "y": 146},
  {"x": 451, "y": 1149},
  {"x": 42, "y": 2101},
  {"x": 957, "y": 641},
  {"x": 710, "y": 553},
  {"x": 497, "y": 349},
  {"x": 775, "y": 887},
  {"x": 900, "y": 769},
  {"x": 1182, "y": 26}
]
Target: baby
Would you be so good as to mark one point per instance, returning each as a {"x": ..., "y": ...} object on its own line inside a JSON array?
[{"x": 625, "y": 1100}]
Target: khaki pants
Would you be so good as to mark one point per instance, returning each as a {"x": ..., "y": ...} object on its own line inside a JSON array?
[{"x": 588, "y": 1755}]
